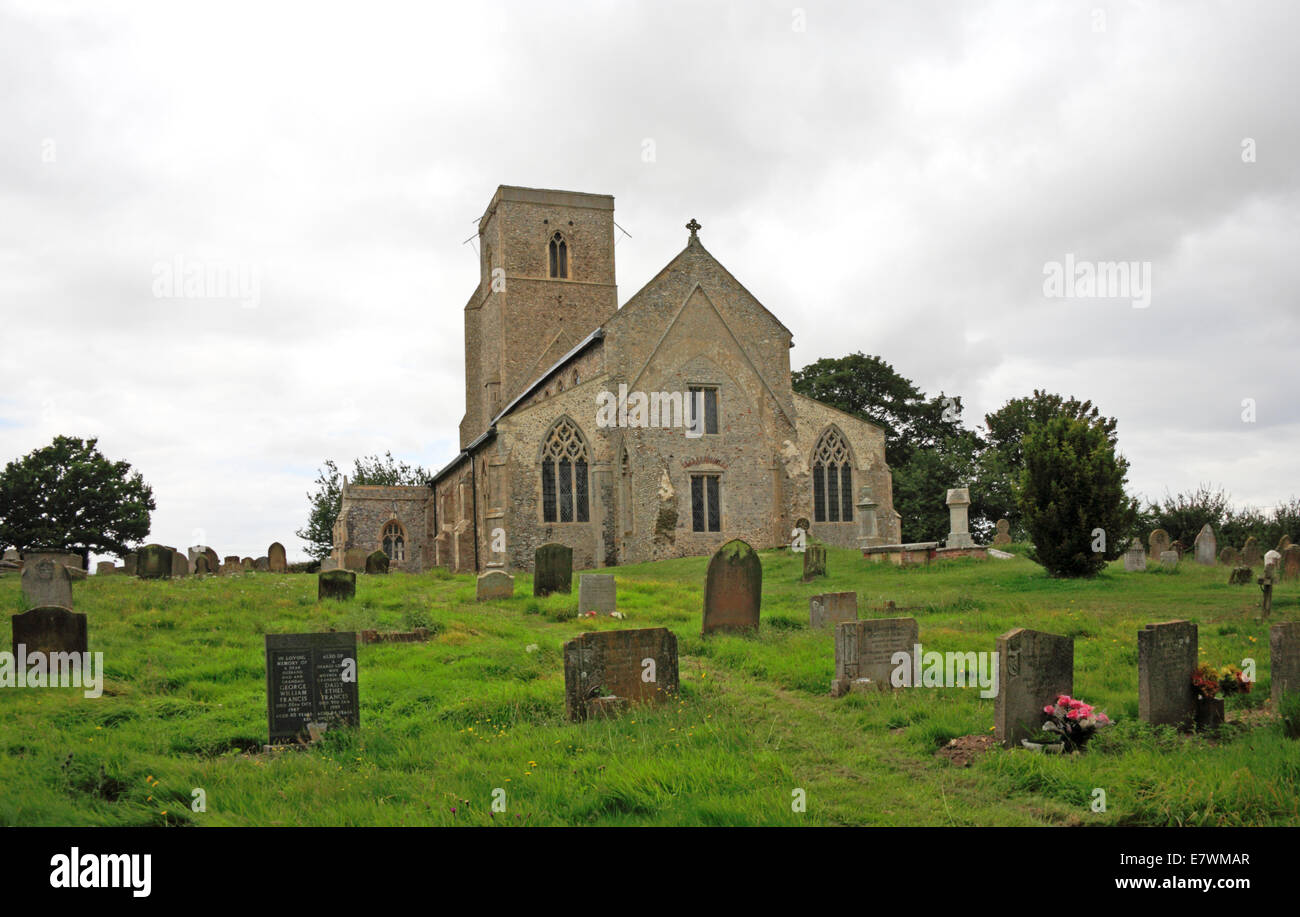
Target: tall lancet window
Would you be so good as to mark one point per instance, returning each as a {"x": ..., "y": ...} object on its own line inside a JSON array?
[
  {"x": 559, "y": 251},
  {"x": 564, "y": 474},
  {"x": 832, "y": 479}
]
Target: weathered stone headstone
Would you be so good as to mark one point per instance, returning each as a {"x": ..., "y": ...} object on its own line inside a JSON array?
[
  {"x": 105, "y": 568},
  {"x": 230, "y": 566},
  {"x": 1135, "y": 558},
  {"x": 1166, "y": 662},
  {"x": 1179, "y": 548},
  {"x": 1291, "y": 562},
  {"x": 45, "y": 582},
  {"x": 153, "y": 562},
  {"x": 1034, "y": 668},
  {"x": 354, "y": 559},
  {"x": 275, "y": 558},
  {"x": 832, "y": 608},
  {"x": 247, "y": 564},
  {"x": 634, "y": 666},
  {"x": 201, "y": 565},
  {"x": 1230, "y": 556},
  {"x": 1284, "y": 660},
  {"x": 958, "y": 519},
  {"x": 311, "y": 684},
  {"x": 1003, "y": 535},
  {"x": 864, "y": 652},
  {"x": 214, "y": 561},
  {"x": 1169, "y": 560},
  {"x": 733, "y": 588},
  {"x": 262, "y": 565},
  {"x": 377, "y": 562},
  {"x": 1240, "y": 576},
  {"x": 552, "y": 569},
  {"x": 495, "y": 584},
  {"x": 131, "y": 564},
  {"x": 1207, "y": 548},
  {"x": 49, "y": 629},
  {"x": 180, "y": 564},
  {"x": 336, "y": 584},
  {"x": 12, "y": 556},
  {"x": 1251, "y": 555},
  {"x": 329, "y": 563},
  {"x": 597, "y": 592},
  {"x": 1283, "y": 543},
  {"x": 1159, "y": 543},
  {"x": 814, "y": 560}
]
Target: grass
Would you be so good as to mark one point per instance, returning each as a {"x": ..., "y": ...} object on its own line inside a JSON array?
[{"x": 448, "y": 722}]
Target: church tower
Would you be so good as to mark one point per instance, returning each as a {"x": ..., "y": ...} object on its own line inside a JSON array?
[{"x": 546, "y": 281}]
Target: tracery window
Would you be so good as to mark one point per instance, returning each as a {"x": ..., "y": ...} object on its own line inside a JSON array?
[
  {"x": 832, "y": 479},
  {"x": 564, "y": 474},
  {"x": 559, "y": 257},
  {"x": 394, "y": 541}
]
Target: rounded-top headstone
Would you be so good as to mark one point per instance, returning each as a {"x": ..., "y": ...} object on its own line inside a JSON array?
[
  {"x": 733, "y": 588},
  {"x": 1207, "y": 548},
  {"x": 336, "y": 584},
  {"x": 377, "y": 562},
  {"x": 202, "y": 566},
  {"x": 1291, "y": 562},
  {"x": 1003, "y": 535},
  {"x": 153, "y": 562},
  {"x": 275, "y": 558},
  {"x": 49, "y": 629},
  {"x": 1250, "y": 552},
  {"x": 552, "y": 569},
  {"x": 1158, "y": 541}
]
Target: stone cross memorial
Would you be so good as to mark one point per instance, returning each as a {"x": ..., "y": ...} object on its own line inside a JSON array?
[
  {"x": 553, "y": 569},
  {"x": 607, "y": 670},
  {"x": 597, "y": 592},
  {"x": 1034, "y": 668},
  {"x": 311, "y": 684},
  {"x": 1284, "y": 660},
  {"x": 733, "y": 589},
  {"x": 864, "y": 652},
  {"x": 1166, "y": 662}
]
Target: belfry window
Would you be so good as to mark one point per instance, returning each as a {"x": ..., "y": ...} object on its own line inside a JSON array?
[
  {"x": 564, "y": 475},
  {"x": 559, "y": 257},
  {"x": 832, "y": 479}
]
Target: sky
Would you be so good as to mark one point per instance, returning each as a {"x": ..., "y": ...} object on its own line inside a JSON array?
[{"x": 904, "y": 179}]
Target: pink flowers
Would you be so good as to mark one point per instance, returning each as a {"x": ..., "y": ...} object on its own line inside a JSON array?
[{"x": 1074, "y": 719}]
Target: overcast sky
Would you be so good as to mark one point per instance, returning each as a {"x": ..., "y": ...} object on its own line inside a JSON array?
[{"x": 892, "y": 178}]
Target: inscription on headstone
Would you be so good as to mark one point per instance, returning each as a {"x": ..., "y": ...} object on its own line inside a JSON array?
[
  {"x": 1135, "y": 558},
  {"x": 1166, "y": 662},
  {"x": 864, "y": 651},
  {"x": 1159, "y": 542},
  {"x": 832, "y": 608},
  {"x": 1207, "y": 548},
  {"x": 597, "y": 592},
  {"x": 733, "y": 588},
  {"x": 1034, "y": 668},
  {"x": 311, "y": 681},
  {"x": 635, "y": 666},
  {"x": 45, "y": 582}
]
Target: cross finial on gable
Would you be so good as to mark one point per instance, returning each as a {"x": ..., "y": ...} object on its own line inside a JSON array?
[{"x": 694, "y": 227}]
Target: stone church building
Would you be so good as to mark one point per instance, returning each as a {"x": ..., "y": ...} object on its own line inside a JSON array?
[{"x": 660, "y": 429}]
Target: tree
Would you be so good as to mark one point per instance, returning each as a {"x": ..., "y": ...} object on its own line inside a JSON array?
[
  {"x": 1071, "y": 497},
  {"x": 1184, "y": 515},
  {"x": 68, "y": 497},
  {"x": 328, "y": 498}
]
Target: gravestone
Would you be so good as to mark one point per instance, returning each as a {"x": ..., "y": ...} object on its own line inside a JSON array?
[
  {"x": 262, "y": 565},
  {"x": 1034, "y": 668},
  {"x": 1230, "y": 556},
  {"x": 1291, "y": 562},
  {"x": 832, "y": 608},
  {"x": 275, "y": 558},
  {"x": 1251, "y": 555},
  {"x": 131, "y": 564},
  {"x": 1273, "y": 559},
  {"x": 1240, "y": 576},
  {"x": 864, "y": 652},
  {"x": 180, "y": 564},
  {"x": 105, "y": 568},
  {"x": 814, "y": 561},
  {"x": 377, "y": 562},
  {"x": 45, "y": 582},
  {"x": 247, "y": 564},
  {"x": 1207, "y": 549},
  {"x": 336, "y": 584},
  {"x": 1135, "y": 558},
  {"x": 354, "y": 559},
  {"x": 634, "y": 666},
  {"x": 733, "y": 588},
  {"x": 597, "y": 592},
  {"x": 1003, "y": 535},
  {"x": 958, "y": 501},
  {"x": 1159, "y": 542},
  {"x": 153, "y": 562},
  {"x": 1166, "y": 662},
  {"x": 1179, "y": 548},
  {"x": 1169, "y": 560},
  {"x": 214, "y": 562},
  {"x": 329, "y": 563},
  {"x": 201, "y": 565},
  {"x": 1284, "y": 660},
  {"x": 311, "y": 684},
  {"x": 49, "y": 629},
  {"x": 231, "y": 565},
  {"x": 1283, "y": 543},
  {"x": 552, "y": 569},
  {"x": 495, "y": 584}
]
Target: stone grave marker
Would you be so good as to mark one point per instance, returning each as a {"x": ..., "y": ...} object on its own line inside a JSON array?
[
  {"x": 46, "y": 582},
  {"x": 49, "y": 629},
  {"x": 275, "y": 559},
  {"x": 105, "y": 568},
  {"x": 1240, "y": 576},
  {"x": 733, "y": 588},
  {"x": 377, "y": 562},
  {"x": 336, "y": 584},
  {"x": 214, "y": 561},
  {"x": 1166, "y": 661},
  {"x": 1207, "y": 549},
  {"x": 262, "y": 565},
  {"x": 552, "y": 569},
  {"x": 1284, "y": 660},
  {"x": 1159, "y": 542},
  {"x": 1169, "y": 560},
  {"x": 153, "y": 562},
  {"x": 354, "y": 559},
  {"x": 1034, "y": 668},
  {"x": 1135, "y": 558},
  {"x": 832, "y": 608},
  {"x": 1251, "y": 555},
  {"x": 1266, "y": 587},
  {"x": 1003, "y": 535},
  {"x": 864, "y": 652},
  {"x": 1283, "y": 543},
  {"x": 231, "y": 565},
  {"x": 958, "y": 501},
  {"x": 201, "y": 566},
  {"x": 495, "y": 584},
  {"x": 1230, "y": 556},
  {"x": 247, "y": 565},
  {"x": 597, "y": 592},
  {"x": 180, "y": 564},
  {"x": 311, "y": 684},
  {"x": 1273, "y": 561},
  {"x": 607, "y": 670},
  {"x": 814, "y": 560},
  {"x": 130, "y": 564},
  {"x": 1291, "y": 562}
]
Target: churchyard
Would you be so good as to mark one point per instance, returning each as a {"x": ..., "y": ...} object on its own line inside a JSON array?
[{"x": 465, "y": 717}]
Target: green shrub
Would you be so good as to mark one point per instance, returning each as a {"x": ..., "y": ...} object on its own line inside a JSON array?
[{"x": 1288, "y": 712}]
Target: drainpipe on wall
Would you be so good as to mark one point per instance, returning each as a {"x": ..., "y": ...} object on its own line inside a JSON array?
[{"x": 473, "y": 487}]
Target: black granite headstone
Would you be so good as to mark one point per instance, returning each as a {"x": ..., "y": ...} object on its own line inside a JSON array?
[{"x": 310, "y": 678}]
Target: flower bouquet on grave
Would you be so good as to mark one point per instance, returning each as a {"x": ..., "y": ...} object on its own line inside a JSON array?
[{"x": 1075, "y": 721}]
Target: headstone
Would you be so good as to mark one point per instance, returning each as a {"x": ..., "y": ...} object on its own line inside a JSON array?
[
  {"x": 201, "y": 566},
  {"x": 1283, "y": 543},
  {"x": 311, "y": 684},
  {"x": 1291, "y": 562},
  {"x": 131, "y": 564},
  {"x": 958, "y": 520},
  {"x": 231, "y": 565},
  {"x": 1180, "y": 548},
  {"x": 1159, "y": 542},
  {"x": 1135, "y": 558},
  {"x": 1169, "y": 560},
  {"x": 733, "y": 588},
  {"x": 1230, "y": 556},
  {"x": 814, "y": 560},
  {"x": 1034, "y": 668},
  {"x": 864, "y": 652},
  {"x": 180, "y": 564},
  {"x": 597, "y": 592},
  {"x": 377, "y": 562},
  {"x": 336, "y": 584},
  {"x": 153, "y": 562},
  {"x": 1284, "y": 660},
  {"x": 247, "y": 564},
  {"x": 275, "y": 558},
  {"x": 1272, "y": 559},
  {"x": 49, "y": 629},
  {"x": 1003, "y": 535},
  {"x": 495, "y": 584},
  {"x": 552, "y": 569},
  {"x": 12, "y": 556},
  {"x": 1240, "y": 576},
  {"x": 1250, "y": 553},
  {"x": 1207, "y": 549},
  {"x": 329, "y": 563},
  {"x": 1166, "y": 662},
  {"x": 354, "y": 559},
  {"x": 214, "y": 561},
  {"x": 105, "y": 568},
  {"x": 262, "y": 565},
  {"x": 832, "y": 608},
  {"x": 46, "y": 583},
  {"x": 635, "y": 666}
]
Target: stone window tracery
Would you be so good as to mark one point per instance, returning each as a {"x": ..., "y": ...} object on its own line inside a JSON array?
[
  {"x": 564, "y": 474},
  {"x": 832, "y": 471}
]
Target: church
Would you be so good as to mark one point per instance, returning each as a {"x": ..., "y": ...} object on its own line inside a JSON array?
[{"x": 660, "y": 429}]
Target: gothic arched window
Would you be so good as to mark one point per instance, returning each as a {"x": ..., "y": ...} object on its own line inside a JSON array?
[
  {"x": 559, "y": 252},
  {"x": 394, "y": 541},
  {"x": 564, "y": 474},
  {"x": 832, "y": 470}
]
